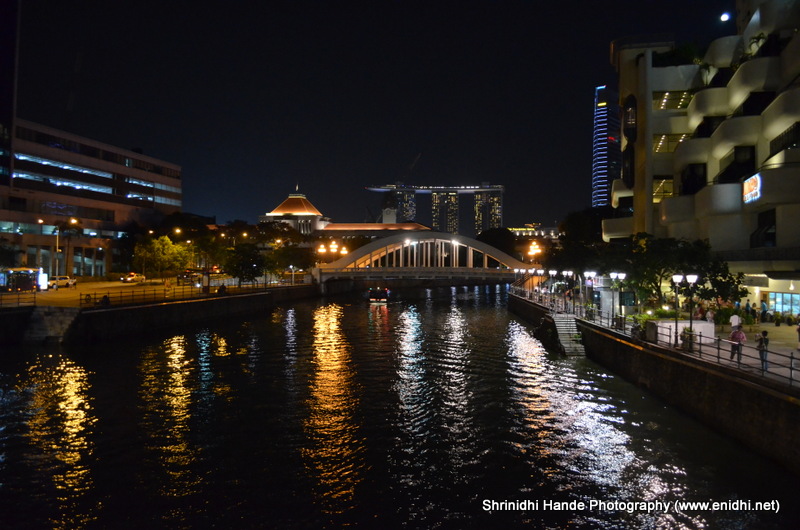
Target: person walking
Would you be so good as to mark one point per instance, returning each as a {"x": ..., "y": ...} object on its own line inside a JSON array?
[
  {"x": 737, "y": 338},
  {"x": 762, "y": 343}
]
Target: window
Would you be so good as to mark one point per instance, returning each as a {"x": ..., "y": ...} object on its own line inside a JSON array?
[
  {"x": 667, "y": 143},
  {"x": 673, "y": 100}
]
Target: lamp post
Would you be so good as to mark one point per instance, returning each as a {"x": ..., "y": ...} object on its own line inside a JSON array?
[
  {"x": 589, "y": 275},
  {"x": 291, "y": 268},
  {"x": 691, "y": 278},
  {"x": 568, "y": 276},
  {"x": 676, "y": 279},
  {"x": 58, "y": 231},
  {"x": 614, "y": 277}
]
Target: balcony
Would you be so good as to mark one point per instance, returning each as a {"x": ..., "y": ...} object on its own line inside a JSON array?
[
  {"x": 756, "y": 75},
  {"x": 618, "y": 191},
  {"x": 707, "y": 102},
  {"x": 744, "y": 130},
  {"x": 691, "y": 151},
  {"x": 676, "y": 209},
  {"x": 617, "y": 228},
  {"x": 773, "y": 186},
  {"x": 781, "y": 114},
  {"x": 723, "y": 52},
  {"x": 719, "y": 199}
]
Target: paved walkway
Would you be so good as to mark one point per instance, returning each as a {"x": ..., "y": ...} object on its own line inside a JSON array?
[{"x": 783, "y": 348}]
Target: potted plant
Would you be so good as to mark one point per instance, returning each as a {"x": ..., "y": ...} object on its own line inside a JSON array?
[{"x": 778, "y": 319}]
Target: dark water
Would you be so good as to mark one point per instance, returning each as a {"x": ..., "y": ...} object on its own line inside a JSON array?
[{"x": 416, "y": 414}]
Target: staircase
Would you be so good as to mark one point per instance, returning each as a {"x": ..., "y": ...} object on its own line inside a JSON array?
[
  {"x": 49, "y": 324},
  {"x": 568, "y": 334}
]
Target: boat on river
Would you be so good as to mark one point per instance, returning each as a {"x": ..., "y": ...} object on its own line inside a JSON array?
[{"x": 378, "y": 295}]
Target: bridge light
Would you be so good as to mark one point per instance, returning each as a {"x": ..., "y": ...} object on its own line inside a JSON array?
[{"x": 322, "y": 249}]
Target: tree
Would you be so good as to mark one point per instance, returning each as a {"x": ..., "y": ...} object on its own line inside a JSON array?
[
  {"x": 502, "y": 239},
  {"x": 246, "y": 263},
  {"x": 161, "y": 255}
]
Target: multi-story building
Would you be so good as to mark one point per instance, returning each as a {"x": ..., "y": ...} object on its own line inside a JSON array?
[
  {"x": 710, "y": 146},
  {"x": 445, "y": 204},
  {"x": 65, "y": 198},
  {"x": 606, "y": 154}
]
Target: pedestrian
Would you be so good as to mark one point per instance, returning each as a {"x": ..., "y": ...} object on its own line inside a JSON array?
[
  {"x": 737, "y": 338},
  {"x": 747, "y": 307},
  {"x": 735, "y": 321},
  {"x": 798, "y": 334},
  {"x": 762, "y": 344},
  {"x": 710, "y": 315}
]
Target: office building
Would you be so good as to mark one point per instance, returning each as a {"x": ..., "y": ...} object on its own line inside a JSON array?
[
  {"x": 710, "y": 146},
  {"x": 606, "y": 153},
  {"x": 64, "y": 199}
]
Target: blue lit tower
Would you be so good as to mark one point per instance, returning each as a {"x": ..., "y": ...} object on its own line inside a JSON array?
[{"x": 606, "y": 153}]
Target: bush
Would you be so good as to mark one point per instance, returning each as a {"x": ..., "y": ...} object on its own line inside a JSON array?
[
  {"x": 664, "y": 313},
  {"x": 790, "y": 320}
]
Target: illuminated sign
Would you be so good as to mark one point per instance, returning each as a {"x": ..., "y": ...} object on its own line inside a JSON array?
[{"x": 751, "y": 189}]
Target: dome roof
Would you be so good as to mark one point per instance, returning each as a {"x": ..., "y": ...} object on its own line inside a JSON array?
[{"x": 295, "y": 204}]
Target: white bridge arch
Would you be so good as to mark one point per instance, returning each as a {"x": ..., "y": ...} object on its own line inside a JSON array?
[{"x": 423, "y": 255}]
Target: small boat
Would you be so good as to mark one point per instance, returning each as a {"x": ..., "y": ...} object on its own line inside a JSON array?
[{"x": 378, "y": 295}]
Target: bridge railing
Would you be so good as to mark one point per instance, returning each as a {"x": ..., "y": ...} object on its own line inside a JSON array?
[{"x": 416, "y": 272}]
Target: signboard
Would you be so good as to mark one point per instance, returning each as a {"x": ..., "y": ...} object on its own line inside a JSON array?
[{"x": 751, "y": 189}]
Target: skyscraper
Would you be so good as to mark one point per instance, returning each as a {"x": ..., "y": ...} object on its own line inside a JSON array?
[{"x": 606, "y": 153}]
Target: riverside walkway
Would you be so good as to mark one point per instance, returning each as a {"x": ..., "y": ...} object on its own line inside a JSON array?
[{"x": 783, "y": 356}]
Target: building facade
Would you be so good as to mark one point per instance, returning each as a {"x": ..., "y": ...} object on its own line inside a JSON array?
[
  {"x": 710, "y": 146},
  {"x": 64, "y": 199},
  {"x": 487, "y": 210},
  {"x": 606, "y": 153}
]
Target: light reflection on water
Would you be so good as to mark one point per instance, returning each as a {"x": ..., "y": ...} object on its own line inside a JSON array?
[{"x": 329, "y": 414}]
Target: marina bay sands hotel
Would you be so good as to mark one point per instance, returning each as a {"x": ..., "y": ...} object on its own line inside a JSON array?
[{"x": 400, "y": 205}]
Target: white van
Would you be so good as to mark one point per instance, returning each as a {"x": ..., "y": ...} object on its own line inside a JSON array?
[{"x": 58, "y": 281}]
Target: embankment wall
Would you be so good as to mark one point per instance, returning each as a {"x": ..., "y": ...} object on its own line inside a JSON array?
[
  {"x": 115, "y": 322},
  {"x": 762, "y": 414}
]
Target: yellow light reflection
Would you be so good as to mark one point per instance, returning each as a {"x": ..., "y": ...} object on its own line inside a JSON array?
[
  {"x": 167, "y": 400},
  {"x": 60, "y": 425},
  {"x": 335, "y": 455}
]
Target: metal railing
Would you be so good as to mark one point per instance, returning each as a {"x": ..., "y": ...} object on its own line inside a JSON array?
[
  {"x": 100, "y": 299},
  {"x": 773, "y": 365},
  {"x": 18, "y": 299}
]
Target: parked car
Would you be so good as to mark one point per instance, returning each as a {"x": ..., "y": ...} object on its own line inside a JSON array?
[
  {"x": 132, "y": 277},
  {"x": 59, "y": 281}
]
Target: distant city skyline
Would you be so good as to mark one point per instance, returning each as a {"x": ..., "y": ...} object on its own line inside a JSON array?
[{"x": 252, "y": 100}]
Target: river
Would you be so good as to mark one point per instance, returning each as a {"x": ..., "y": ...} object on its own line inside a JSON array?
[{"x": 437, "y": 410}]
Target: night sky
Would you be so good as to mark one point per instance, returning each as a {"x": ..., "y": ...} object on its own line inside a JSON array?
[{"x": 255, "y": 98}]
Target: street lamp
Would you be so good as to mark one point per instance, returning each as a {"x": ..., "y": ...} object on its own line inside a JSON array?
[
  {"x": 615, "y": 276},
  {"x": 676, "y": 279},
  {"x": 568, "y": 276},
  {"x": 291, "y": 268},
  {"x": 691, "y": 278},
  {"x": 589, "y": 275}
]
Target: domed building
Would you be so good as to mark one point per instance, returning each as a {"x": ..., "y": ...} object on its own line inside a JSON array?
[{"x": 298, "y": 212}]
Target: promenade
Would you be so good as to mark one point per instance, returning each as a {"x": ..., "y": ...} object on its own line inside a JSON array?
[{"x": 783, "y": 356}]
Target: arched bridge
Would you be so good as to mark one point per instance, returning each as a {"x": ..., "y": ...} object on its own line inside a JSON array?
[{"x": 422, "y": 256}]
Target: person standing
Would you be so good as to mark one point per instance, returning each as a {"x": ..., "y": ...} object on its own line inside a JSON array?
[
  {"x": 737, "y": 338},
  {"x": 735, "y": 321},
  {"x": 762, "y": 343}
]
